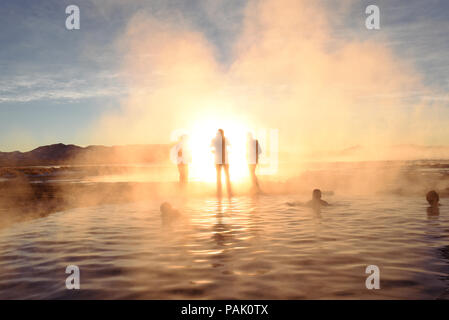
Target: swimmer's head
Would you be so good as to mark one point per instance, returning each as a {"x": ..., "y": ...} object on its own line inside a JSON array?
[
  {"x": 316, "y": 194},
  {"x": 220, "y": 132},
  {"x": 432, "y": 197},
  {"x": 166, "y": 207}
]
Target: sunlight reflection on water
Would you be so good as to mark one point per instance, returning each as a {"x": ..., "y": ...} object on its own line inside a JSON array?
[{"x": 244, "y": 248}]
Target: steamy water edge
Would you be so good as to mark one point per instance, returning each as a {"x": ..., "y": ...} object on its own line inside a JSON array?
[{"x": 239, "y": 248}]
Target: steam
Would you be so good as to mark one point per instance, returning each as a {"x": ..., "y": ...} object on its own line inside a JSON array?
[
  {"x": 331, "y": 98},
  {"x": 288, "y": 72}
]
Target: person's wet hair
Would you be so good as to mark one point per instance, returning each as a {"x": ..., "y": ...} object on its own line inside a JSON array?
[
  {"x": 316, "y": 194},
  {"x": 165, "y": 207},
  {"x": 221, "y": 132},
  {"x": 432, "y": 197}
]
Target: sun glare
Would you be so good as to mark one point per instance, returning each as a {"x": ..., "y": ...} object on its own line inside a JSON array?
[{"x": 201, "y": 134}]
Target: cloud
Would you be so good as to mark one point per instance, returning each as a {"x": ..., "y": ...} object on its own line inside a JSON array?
[{"x": 35, "y": 87}]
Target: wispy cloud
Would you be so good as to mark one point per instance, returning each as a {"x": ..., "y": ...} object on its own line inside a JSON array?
[{"x": 28, "y": 88}]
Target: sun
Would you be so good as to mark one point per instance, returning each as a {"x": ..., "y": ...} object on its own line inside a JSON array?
[{"x": 202, "y": 167}]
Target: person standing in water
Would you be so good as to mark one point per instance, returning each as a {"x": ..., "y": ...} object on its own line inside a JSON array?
[
  {"x": 220, "y": 148},
  {"x": 183, "y": 158},
  {"x": 253, "y": 151}
]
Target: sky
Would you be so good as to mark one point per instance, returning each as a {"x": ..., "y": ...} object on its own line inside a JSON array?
[{"x": 89, "y": 86}]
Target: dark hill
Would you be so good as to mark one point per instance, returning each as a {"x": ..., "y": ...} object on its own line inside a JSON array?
[{"x": 62, "y": 154}]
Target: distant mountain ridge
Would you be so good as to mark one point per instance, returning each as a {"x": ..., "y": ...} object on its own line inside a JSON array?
[{"x": 62, "y": 154}]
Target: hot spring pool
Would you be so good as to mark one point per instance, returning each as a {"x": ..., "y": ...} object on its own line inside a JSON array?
[{"x": 244, "y": 248}]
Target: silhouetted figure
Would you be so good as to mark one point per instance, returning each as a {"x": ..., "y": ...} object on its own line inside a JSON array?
[
  {"x": 316, "y": 201},
  {"x": 168, "y": 213},
  {"x": 220, "y": 148},
  {"x": 183, "y": 158},
  {"x": 433, "y": 199},
  {"x": 253, "y": 152}
]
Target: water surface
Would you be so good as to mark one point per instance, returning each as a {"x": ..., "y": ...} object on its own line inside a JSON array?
[{"x": 244, "y": 248}]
